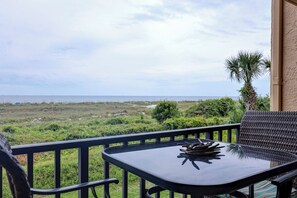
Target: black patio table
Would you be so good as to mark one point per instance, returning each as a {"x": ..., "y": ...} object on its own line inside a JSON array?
[{"x": 235, "y": 167}]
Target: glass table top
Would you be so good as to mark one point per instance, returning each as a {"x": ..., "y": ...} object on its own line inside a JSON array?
[{"x": 164, "y": 162}]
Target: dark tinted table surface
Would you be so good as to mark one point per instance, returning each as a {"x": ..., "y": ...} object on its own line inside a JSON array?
[{"x": 235, "y": 167}]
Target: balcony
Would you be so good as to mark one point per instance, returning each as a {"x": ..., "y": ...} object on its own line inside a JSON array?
[{"x": 225, "y": 133}]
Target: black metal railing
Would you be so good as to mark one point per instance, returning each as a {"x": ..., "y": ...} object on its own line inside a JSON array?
[{"x": 220, "y": 133}]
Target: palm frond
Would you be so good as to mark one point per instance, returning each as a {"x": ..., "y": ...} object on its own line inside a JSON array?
[
  {"x": 232, "y": 66},
  {"x": 250, "y": 63},
  {"x": 266, "y": 63}
]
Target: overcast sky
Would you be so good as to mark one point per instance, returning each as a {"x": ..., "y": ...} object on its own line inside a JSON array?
[{"x": 128, "y": 47}]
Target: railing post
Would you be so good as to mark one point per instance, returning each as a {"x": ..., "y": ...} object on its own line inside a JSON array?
[
  {"x": 229, "y": 136},
  {"x": 106, "y": 173},
  {"x": 125, "y": 180},
  {"x": 83, "y": 169},
  {"x": 209, "y": 135},
  {"x": 197, "y": 135},
  {"x": 157, "y": 195},
  {"x": 220, "y": 135},
  {"x": 1, "y": 183},
  {"x": 158, "y": 140},
  {"x": 125, "y": 184},
  {"x": 30, "y": 159},
  {"x": 57, "y": 171},
  {"x": 142, "y": 192},
  {"x": 251, "y": 191},
  {"x": 237, "y": 131}
]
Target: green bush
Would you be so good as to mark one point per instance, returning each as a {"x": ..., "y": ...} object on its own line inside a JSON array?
[
  {"x": 165, "y": 110},
  {"x": 263, "y": 103},
  {"x": 236, "y": 116},
  {"x": 182, "y": 123},
  {"x": 117, "y": 120},
  {"x": 212, "y": 108},
  {"x": 53, "y": 127},
  {"x": 242, "y": 106},
  {"x": 94, "y": 122},
  {"x": 76, "y": 136},
  {"x": 9, "y": 129},
  {"x": 131, "y": 128},
  {"x": 217, "y": 121},
  {"x": 144, "y": 121}
]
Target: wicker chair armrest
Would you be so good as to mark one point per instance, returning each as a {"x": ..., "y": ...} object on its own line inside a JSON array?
[
  {"x": 73, "y": 187},
  {"x": 284, "y": 178}
]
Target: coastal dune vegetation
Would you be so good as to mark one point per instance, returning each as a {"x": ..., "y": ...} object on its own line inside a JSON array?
[{"x": 46, "y": 122}]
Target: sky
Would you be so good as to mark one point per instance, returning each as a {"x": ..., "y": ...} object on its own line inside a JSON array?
[{"x": 129, "y": 47}]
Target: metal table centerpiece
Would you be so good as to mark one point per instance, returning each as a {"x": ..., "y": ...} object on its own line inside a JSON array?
[{"x": 205, "y": 147}]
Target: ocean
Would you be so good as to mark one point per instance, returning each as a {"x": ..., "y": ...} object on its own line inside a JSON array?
[{"x": 18, "y": 99}]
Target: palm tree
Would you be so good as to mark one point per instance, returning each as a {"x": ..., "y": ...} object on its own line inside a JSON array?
[
  {"x": 266, "y": 62},
  {"x": 245, "y": 67}
]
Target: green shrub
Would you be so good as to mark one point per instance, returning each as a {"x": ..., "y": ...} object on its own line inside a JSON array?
[
  {"x": 263, "y": 103},
  {"x": 77, "y": 136},
  {"x": 236, "y": 116},
  {"x": 117, "y": 120},
  {"x": 182, "y": 123},
  {"x": 242, "y": 106},
  {"x": 53, "y": 127},
  {"x": 131, "y": 128},
  {"x": 212, "y": 108},
  {"x": 144, "y": 121},
  {"x": 217, "y": 121},
  {"x": 165, "y": 110},
  {"x": 9, "y": 129},
  {"x": 94, "y": 122}
]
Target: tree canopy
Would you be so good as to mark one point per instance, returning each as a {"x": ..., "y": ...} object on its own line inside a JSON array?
[{"x": 245, "y": 67}]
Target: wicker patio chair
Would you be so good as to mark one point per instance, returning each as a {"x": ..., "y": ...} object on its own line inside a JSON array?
[
  {"x": 18, "y": 180},
  {"x": 271, "y": 130},
  {"x": 276, "y": 130}
]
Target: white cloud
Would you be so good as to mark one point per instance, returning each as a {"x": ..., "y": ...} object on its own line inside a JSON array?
[{"x": 128, "y": 45}]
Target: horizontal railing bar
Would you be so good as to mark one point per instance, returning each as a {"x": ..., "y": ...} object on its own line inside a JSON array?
[{"x": 68, "y": 144}]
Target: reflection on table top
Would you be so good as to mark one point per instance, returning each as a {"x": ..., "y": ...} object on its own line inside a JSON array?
[{"x": 164, "y": 164}]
